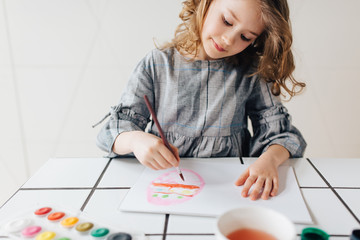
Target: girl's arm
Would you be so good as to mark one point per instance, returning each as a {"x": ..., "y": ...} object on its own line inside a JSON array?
[
  {"x": 147, "y": 148},
  {"x": 274, "y": 140},
  {"x": 263, "y": 173}
]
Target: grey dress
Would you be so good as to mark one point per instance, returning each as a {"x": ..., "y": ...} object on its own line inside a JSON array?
[{"x": 203, "y": 107}]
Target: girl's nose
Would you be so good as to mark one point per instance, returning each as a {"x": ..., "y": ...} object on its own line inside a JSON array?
[{"x": 228, "y": 38}]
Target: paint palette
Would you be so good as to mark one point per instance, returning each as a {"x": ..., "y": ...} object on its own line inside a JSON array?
[{"x": 53, "y": 223}]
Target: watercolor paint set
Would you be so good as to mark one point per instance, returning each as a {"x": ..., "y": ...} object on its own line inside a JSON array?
[{"x": 55, "y": 223}]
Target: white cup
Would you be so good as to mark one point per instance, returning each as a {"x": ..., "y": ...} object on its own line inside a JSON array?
[{"x": 257, "y": 218}]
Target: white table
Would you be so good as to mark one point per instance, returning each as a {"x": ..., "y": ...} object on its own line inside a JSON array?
[{"x": 330, "y": 187}]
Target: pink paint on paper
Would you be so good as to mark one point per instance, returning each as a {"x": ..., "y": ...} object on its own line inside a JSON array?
[{"x": 169, "y": 189}]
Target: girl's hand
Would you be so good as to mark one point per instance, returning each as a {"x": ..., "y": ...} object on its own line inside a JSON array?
[
  {"x": 149, "y": 149},
  {"x": 262, "y": 175}
]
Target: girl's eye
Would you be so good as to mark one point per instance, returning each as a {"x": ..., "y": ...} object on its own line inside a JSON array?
[
  {"x": 244, "y": 38},
  {"x": 226, "y": 22}
]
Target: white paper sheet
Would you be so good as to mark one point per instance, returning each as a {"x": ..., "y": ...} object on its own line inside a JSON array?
[{"x": 209, "y": 191}]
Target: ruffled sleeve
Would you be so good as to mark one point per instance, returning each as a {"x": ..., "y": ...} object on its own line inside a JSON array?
[
  {"x": 131, "y": 114},
  {"x": 271, "y": 123}
]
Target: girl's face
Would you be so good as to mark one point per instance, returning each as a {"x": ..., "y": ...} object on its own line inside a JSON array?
[{"x": 230, "y": 26}]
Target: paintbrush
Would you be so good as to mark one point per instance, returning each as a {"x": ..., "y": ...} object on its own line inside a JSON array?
[{"x": 161, "y": 133}]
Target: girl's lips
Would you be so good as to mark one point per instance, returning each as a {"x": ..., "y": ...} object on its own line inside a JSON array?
[{"x": 220, "y": 49}]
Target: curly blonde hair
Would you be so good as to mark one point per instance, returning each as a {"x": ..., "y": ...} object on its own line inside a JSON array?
[{"x": 271, "y": 51}]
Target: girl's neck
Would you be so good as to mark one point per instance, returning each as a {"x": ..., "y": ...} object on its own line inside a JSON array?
[{"x": 200, "y": 54}]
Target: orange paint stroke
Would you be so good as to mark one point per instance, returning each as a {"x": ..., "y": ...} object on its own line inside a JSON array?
[
  {"x": 175, "y": 185},
  {"x": 184, "y": 195}
]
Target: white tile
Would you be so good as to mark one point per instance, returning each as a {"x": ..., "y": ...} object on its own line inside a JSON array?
[
  {"x": 191, "y": 224},
  {"x": 330, "y": 167},
  {"x": 190, "y": 237},
  {"x": 327, "y": 212},
  {"x": 59, "y": 32},
  {"x": 338, "y": 238},
  {"x": 67, "y": 172},
  {"x": 351, "y": 197},
  {"x": 104, "y": 206},
  {"x": 122, "y": 172},
  {"x": 153, "y": 237},
  {"x": 306, "y": 174},
  {"x": 27, "y": 200}
]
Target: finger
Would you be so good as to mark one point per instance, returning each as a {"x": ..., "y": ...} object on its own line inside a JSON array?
[
  {"x": 275, "y": 187},
  {"x": 267, "y": 189},
  {"x": 176, "y": 154},
  {"x": 153, "y": 161},
  {"x": 241, "y": 180},
  {"x": 156, "y": 164},
  {"x": 171, "y": 157},
  {"x": 258, "y": 186},
  {"x": 164, "y": 157},
  {"x": 161, "y": 161},
  {"x": 247, "y": 185},
  {"x": 149, "y": 165}
]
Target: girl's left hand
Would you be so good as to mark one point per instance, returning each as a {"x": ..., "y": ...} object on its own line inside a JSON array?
[{"x": 262, "y": 175}]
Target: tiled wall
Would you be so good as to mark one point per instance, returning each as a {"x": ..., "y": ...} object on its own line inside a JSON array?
[{"x": 63, "y": 63}]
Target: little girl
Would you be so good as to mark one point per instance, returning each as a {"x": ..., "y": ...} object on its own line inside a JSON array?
[{"x": 230, "y": 60}]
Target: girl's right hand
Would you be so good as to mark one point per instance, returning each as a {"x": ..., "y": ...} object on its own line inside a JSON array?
[{"x": 149, "y": 149}]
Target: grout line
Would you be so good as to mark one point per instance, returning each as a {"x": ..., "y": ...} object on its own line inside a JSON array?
[
  {"x": 112, "y": 188},
  {"x": 352, "y": 188},
  {"x": 166, "y": 225},
  {"x": 314, "y": 187},
  {"x": 96, "y": 184},
  {"x": 333, "y": 190},
  {"x": 17, "y": 95},
  {"x": 241, "y": 160},
  {"x": 57, "y": 188},
  {"x": 191, "y": 234},
  {"x": 9, "y": 198},
  {"x": 339, "y": 235}
]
